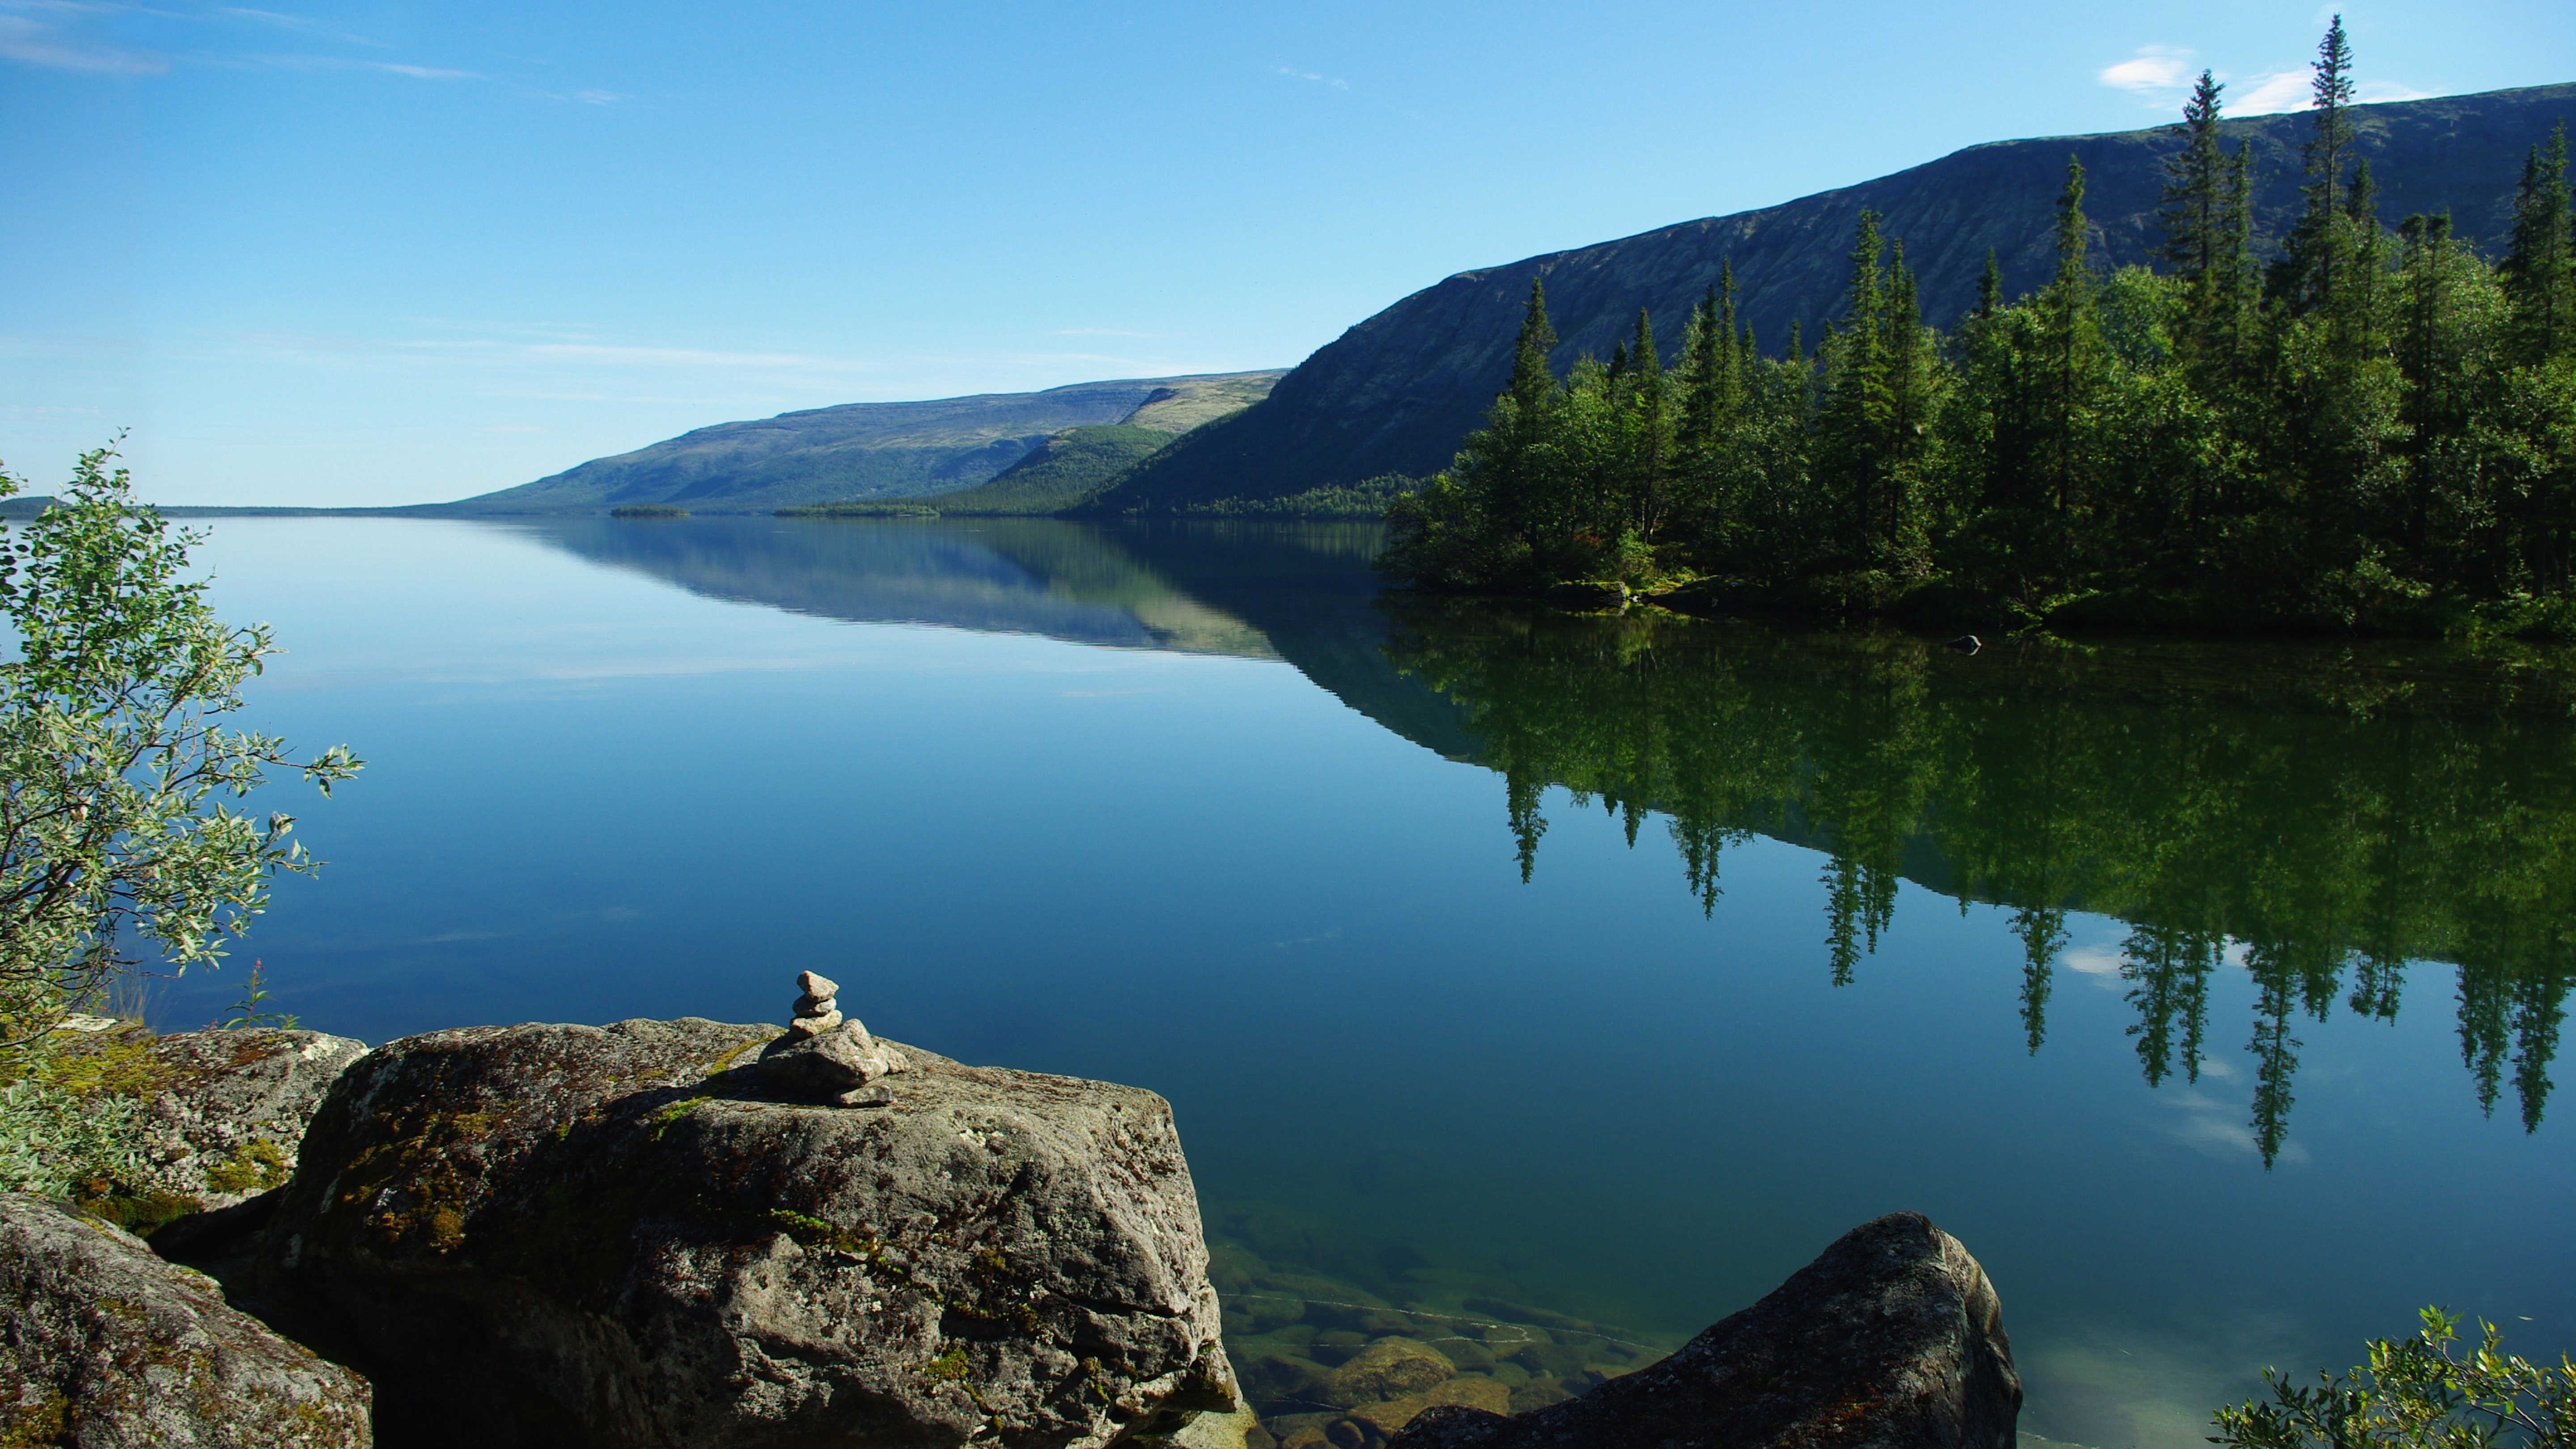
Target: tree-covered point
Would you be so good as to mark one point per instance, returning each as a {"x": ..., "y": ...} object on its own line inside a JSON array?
[
  {"x": 648, "y": 510},
  {"x": 2372, "y": 429},
  {"x": 2323, "y": 822}
]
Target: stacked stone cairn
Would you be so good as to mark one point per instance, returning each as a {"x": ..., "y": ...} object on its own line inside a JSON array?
[{"x": 827, "y": 1055}]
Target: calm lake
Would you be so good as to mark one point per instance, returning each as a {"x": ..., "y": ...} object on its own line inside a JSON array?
[{"x": 1501, "y": 968}]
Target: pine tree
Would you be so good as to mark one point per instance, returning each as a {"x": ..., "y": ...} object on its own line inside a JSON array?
[
  {"x": 2073, "y": 341},
  {"x": 1649, "y": 481},
  {"x": 2313, "y": 260},
  {"x": 2194, "y": 214},
  {"x": 1521, "y": 500},
  {"x": 1856, "y": 422},
  {"x": 1913, "y": 372},
  {"x": 2539, "y": 268}
]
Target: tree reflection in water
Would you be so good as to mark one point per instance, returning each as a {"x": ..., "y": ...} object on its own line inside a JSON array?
[{"x": 2322, "y": 816}]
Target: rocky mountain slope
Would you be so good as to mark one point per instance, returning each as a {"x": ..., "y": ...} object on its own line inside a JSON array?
[
  {"x": 1395, "y": 393},
  {"x": 871, "y": 450}
]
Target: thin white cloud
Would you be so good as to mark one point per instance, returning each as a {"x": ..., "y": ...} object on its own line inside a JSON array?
[
  {"x": 2102, "y": 963},
  {"x": 29, "y": 43},
  {"x": 333, "y": 62},
  {"x": 1307, "y": 75},
  {"x": 597, "y": 98},
  {"x": 673, "y": 356},
  {"x": 2272, "y": 93},
  {"x": 2155, "y": 68},
  {"x": 2374, "y": 92},
  {"x": 420, "y": 72}
]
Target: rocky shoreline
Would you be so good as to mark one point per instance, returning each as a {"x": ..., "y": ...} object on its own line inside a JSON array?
[{"x": 689, "y": 1233}]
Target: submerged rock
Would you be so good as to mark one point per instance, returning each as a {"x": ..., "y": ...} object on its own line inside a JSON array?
[
  {"x": 106, "y": 1346},
  {"x": 1893, "y": 1339},
  {"x": 617, "y": 1236}
]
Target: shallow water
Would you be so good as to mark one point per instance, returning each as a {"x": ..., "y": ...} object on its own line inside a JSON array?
[{"x": 1505, "y": 972}]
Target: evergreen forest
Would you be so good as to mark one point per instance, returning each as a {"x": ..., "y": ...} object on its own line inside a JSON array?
[{"x": 2343, "y": 427}]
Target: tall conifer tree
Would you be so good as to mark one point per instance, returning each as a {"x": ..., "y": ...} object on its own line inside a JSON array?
[
  {"x": 2313, "y": 260},
  {"x": 2539, "y": 270}
]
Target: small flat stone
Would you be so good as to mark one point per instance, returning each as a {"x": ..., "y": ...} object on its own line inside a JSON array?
[
  {"x": 868, "y": 1097},
  {"x": 814, "y": 1006},
  {"x": 814, "y": 1025},
  {"x": 823, "y": 987}
]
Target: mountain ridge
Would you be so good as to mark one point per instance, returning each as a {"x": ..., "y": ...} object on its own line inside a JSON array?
[{"x": 883, "y": 450}]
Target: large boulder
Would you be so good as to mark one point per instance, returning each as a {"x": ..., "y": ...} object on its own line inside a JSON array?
[
  {"x": 223, "y": 1111},
  {"x": 616, "y": 1236},
  {"x": 1893, "y": 1339},
  {"x": 103, "y": 1345}
]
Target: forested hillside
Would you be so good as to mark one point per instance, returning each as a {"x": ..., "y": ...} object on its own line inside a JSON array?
[
  {"x": 2369, "y": 428},
  {"x": 1395, "y": 393}
]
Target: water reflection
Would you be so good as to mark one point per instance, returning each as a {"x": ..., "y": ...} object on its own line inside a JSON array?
[{"x": 2321, "y": 820}]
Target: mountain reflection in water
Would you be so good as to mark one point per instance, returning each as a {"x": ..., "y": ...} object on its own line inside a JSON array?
[{"x": 2320, "y": 818}]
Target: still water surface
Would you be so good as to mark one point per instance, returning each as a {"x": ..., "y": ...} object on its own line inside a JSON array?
[{"x": 1500, "y": 967}]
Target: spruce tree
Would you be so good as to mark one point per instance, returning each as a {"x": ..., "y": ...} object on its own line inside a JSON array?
[
  {"x": 1650, "y": 454},
  {"x": 1520, "y": 500},
  {"x": 2073, "y": 331},
  {"x": 2539, "y": 268},
  {"x": 2194, "y": 215},
  {"x": 1912, "y": 374},
  {"x": 2312, "y": 261}
]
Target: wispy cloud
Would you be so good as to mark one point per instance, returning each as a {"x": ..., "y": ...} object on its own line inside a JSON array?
[
  {"x": 2155, "y": 69},
  {"x": 672, "y": 356},
  {"x": 597, "y": 98},
  {"x": 1293, "y": 73},
  {"x": 2271, "y": 93},
  {"x": 30, "y": 43},
  {"x": 2276, "y": 91}
]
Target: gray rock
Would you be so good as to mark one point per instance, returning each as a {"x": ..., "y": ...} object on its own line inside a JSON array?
[
  {"x": 829, "y": 1064},
  {"x": 224, "y": 1111},
  {"x": 1893, "y": 1339},
  {"x": 107, "y": 1346},
  {"x": 817, "y": 988},
  {"x": 621, "y": 1237}
]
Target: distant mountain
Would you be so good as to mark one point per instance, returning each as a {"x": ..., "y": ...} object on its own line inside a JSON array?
[
  {"x": 871, "y": 450},
  {"x": 1395, "y": 393}
]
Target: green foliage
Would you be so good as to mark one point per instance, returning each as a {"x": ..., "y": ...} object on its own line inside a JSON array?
[
  {"x": 2415, "y": 1393},
  {"x": 114, "y": 767},
  {"x": 1368, "y": 498},
  {"x": 2376, "y": 433},
  {"x": 649, "y": 510},
  {"x": 252, "y": 1010},
  {"x": 53, "y": 1141}
]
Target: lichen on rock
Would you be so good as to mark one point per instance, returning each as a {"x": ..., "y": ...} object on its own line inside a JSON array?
[
  {"x": 108, "y": 1346},
  {"x": 223, "y": 1112}
]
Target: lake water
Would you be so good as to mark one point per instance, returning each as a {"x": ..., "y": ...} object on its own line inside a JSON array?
[{"x": 1501, "y": 968}]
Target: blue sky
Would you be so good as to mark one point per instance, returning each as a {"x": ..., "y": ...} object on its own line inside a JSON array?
[{"x": 392, "y": 252}]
